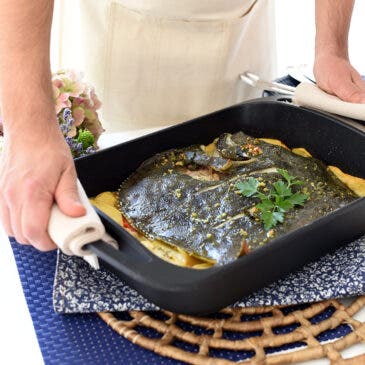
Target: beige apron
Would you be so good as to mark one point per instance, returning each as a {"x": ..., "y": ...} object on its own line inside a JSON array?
[{"x": 158, "y": 62}]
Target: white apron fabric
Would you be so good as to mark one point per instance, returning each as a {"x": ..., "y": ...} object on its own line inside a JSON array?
[{"x": 158, "y": 62}]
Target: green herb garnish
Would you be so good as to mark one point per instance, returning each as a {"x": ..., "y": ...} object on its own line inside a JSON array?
[
  {"x": 248, "y": 187},
  {"x": 277, "y": 201}
]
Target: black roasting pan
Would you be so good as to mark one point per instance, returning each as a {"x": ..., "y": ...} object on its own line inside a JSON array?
[{"x": 193, "y": 291}]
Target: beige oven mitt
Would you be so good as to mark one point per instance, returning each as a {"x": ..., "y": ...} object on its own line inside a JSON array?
[
  {"x": 72, "y": 234},
  {"x": 310, "y": 95}
]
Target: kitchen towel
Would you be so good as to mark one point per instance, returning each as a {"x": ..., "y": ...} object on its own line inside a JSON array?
[
  {"x": 72, "y": 234},
  {"x": 311, "y": 96}
]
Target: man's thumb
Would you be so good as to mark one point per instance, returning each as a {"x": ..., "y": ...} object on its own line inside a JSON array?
[{"x": 67, "y": 196}]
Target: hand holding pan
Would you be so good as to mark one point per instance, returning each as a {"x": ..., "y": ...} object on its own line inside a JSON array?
[
  {"x": 72, "y": 234},
  {"x": 309, "y": 95}
]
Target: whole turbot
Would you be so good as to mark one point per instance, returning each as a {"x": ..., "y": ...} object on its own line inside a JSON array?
[{"x": 188, "y": 197}]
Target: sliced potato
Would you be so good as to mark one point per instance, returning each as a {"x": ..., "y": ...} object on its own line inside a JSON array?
[
  {"x": 210, "y": 148},
  {"x": 204, "y": 265},
  {"x": 108, "y": 198},
  {"x": 356, "y": 184},
  {"x": 110, "y": 210},
  {"x": 301, "y": 152},
  {"x": 163, "y": 251},
  {"x": 275, "y": 142}
]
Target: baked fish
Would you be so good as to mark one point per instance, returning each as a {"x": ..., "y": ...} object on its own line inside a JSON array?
[{"x": 188, "y": 197}]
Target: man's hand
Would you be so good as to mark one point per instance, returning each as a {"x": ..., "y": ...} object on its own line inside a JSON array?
[
  {"x": 336, "y": 76},
  {"x": 332, "y": 69},
  {"x": 33, "y": 173},
  {"x": 36, "y": 166}
]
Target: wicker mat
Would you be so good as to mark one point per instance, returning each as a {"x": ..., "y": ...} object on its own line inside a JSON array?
[{"x": 256, "y": 335}]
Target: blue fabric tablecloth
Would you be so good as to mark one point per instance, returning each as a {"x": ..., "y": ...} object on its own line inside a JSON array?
[
  {"x": 71, "y": 339},
  {"x": 84, "y": 339}
]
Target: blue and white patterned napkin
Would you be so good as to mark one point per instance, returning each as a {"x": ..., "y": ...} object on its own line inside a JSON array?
[{"x": 80, "y": 289}]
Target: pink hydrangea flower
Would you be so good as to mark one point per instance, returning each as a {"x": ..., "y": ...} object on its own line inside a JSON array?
[
  {"x": 70, "y": 91},
  {"x": 76, "y": 106},
  {"x": 62, "y": 101},
  {"x": 79, "y": 115}
]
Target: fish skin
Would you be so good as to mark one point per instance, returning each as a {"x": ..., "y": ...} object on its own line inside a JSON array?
[{"x": 207, "y": 217}]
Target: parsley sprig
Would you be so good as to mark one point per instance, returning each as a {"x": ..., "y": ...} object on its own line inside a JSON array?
[{"x": 277, "y": 201}]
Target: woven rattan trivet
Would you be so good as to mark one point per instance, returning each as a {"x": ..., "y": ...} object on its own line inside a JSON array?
[{"x": 262, "y": 335}]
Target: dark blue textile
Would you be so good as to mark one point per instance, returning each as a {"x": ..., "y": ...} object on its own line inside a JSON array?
[
  {"x": 85, "y": 339},
  {"x": 71, "y": 339}
]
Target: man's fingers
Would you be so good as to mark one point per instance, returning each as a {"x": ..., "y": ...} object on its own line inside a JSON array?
[
  {"x": 14, "y": 202},
  {"x": 5, "y": 218},
  {"x": 15, "y": 216},
  {"x": 34, "y": 227},
  {"x": 336, "y": 76},
  {"x": 356, "y": 96},
  {"x": 67, "y": 196},
  {"x": 358, "y": 81}
]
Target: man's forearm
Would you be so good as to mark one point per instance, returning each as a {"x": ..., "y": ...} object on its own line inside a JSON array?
[
  {"x": 332, "y": 26},
  {"x": 25, "y": 77}
]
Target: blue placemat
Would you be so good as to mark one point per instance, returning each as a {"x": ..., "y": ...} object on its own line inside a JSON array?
[
  {"x": 67, "y": 339},
  {"x": 71, "y": 339}
]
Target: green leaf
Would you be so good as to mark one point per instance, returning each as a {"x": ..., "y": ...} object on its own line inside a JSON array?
[
  {"x": 279, "y": 217},
  {"x": 275, "y": 203},
  {"x": 262, "y": 196},
  {"x": 297, "y": 182},
  {"x": 298, "y": 198},
  {"x": 248, "y": 187},
  {"x": 282, "y": 189},
  {"x": 265, "y": 205},
  {"x": 271, "y": 219},
  {"x": 285, "y": 175},
  {"x": 284, "y": 204}
]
